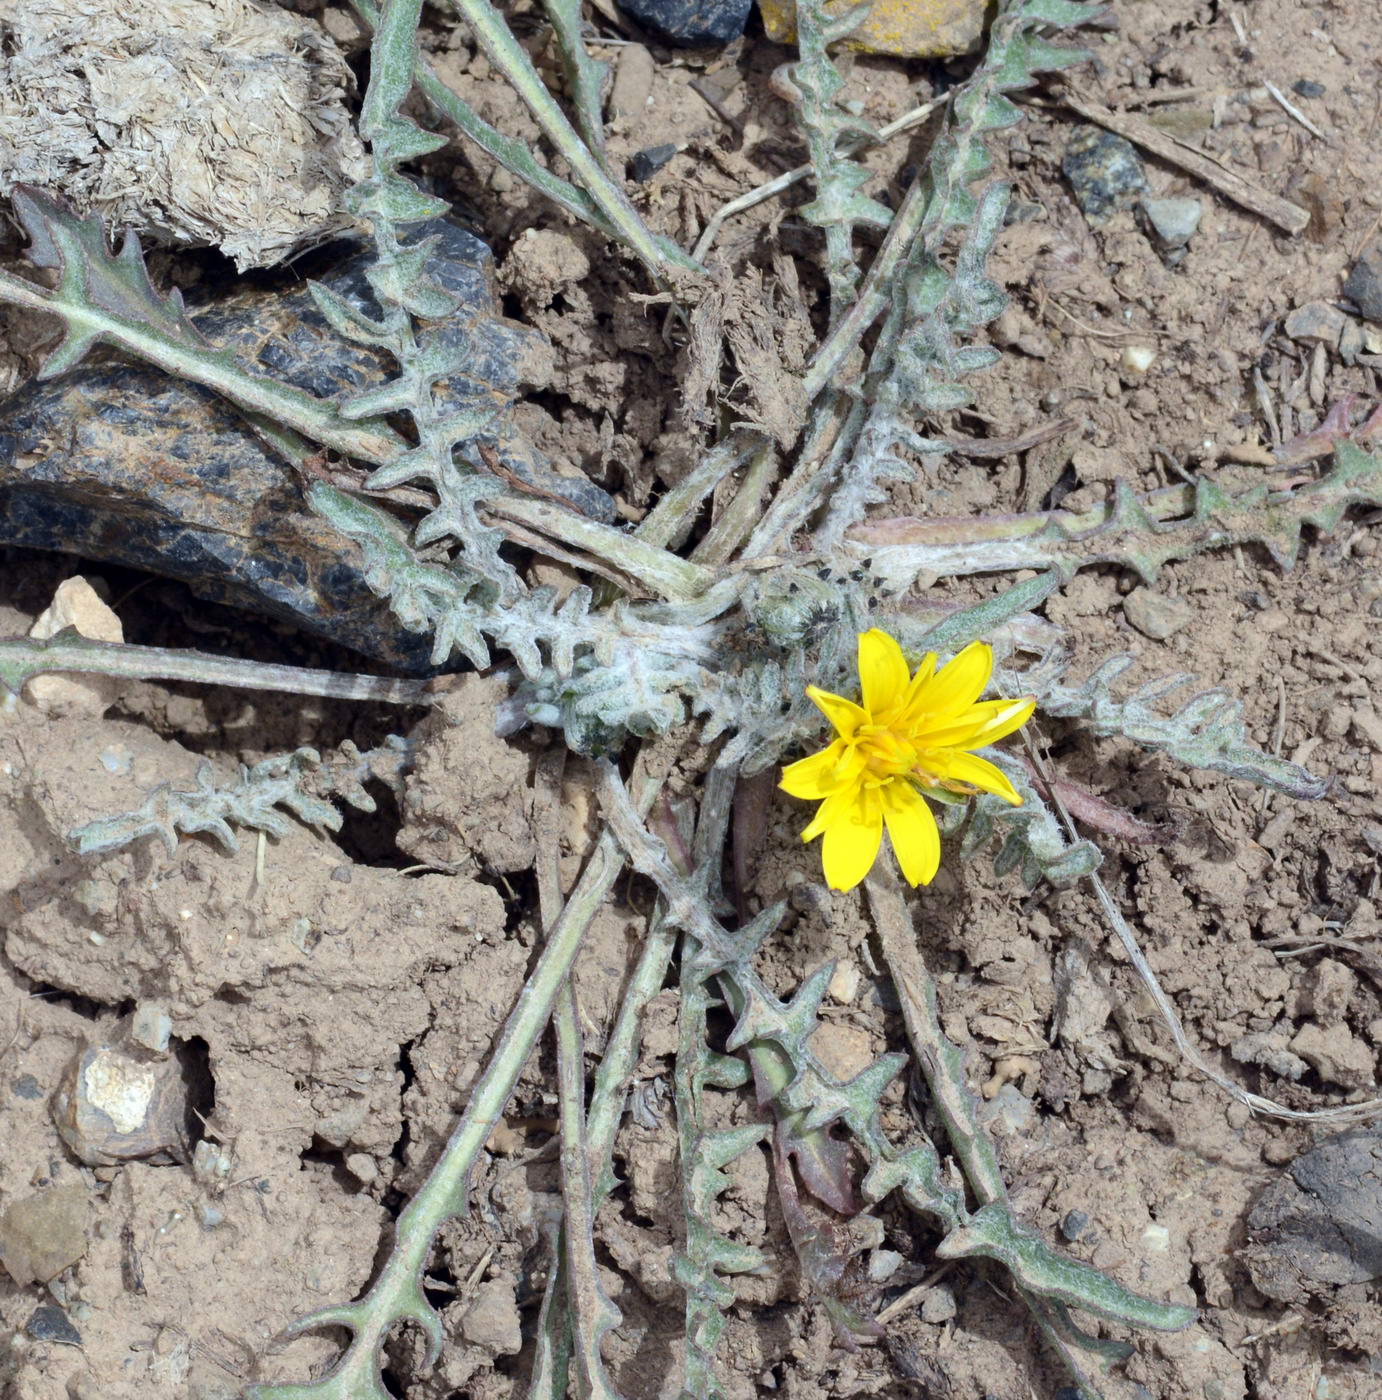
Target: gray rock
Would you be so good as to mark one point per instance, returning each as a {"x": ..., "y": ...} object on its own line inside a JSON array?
[
  {"x": 1363, "y": 286},
  {"x": 1155, "y": 615},
  {"x": 1320, "y": 1226},
  {"x": 939, "y": 1304},
  {"x": 634, "y": 71},
  {"x": 1173, "y": 221},
  {"x": 1315, "y": 321},
  {"x": 1105, "y": 172}
]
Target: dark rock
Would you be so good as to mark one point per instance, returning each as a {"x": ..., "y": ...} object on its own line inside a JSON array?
[
  {"x": 1308, "y": 87},
  {"x": 1364, "y": 284},
  {"x": 690, "y": 22},
  {"x": 124, "y": 464},
  {"x": 27, "y": 1087},
  {"x": 647, "y": 163},
  {"x": 1320, "y": 1226},
  {"x": 1074, "y": 1225},
  {"x": 1105, "y": 172},
  {"x": 50, "y": 1324}
]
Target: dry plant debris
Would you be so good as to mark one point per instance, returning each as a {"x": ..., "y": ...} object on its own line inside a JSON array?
[{"x": 220, "y": 123}]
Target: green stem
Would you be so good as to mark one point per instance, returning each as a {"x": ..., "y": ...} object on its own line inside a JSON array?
[
  {"x": 23, "y": 657},
  {"x": 670, "y": 520},
  {"x": 396, "y": 1295},
  {"x": 742, "y": 513},
  {"x": 585, "y": 76},
  {"x": 514, "y": 156},
  {"x": 504, "y": 51},
  {"x": 664, "y": 573}
]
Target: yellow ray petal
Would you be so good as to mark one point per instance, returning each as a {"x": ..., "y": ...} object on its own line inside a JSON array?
[
  {"x": 844, "y": 714},
  {"x": 883, "y": 671},
  {"x": 977, "y": 772},
  {"x": 926, "y": 668},
  {"x": 839, "y": 807},
  {"x": 817, "y": 777},
  {"x": 958, "y": 684},
  {"x": 980, "y": 725},
  {"x": 851, "y": 846},
  {"x": 912, "y": 831}
]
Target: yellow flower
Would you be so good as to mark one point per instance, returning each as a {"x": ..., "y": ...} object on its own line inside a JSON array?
[{"x": 910, "y": 735}]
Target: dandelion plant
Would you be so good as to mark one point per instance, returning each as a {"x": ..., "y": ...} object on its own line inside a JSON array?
[{"x": 725, "y": 645}]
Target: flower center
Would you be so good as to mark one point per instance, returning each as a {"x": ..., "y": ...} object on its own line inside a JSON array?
[{"x": 886, "y": 753}]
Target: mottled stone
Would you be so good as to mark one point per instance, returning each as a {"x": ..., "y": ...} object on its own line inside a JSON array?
[
  {"x": 1105, "y": 172},
  {"x": 118, "y": 1101},
  {"x": 122, "y": 463},
  {"x": 693, "y": 23}
]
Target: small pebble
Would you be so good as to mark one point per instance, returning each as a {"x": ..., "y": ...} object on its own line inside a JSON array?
[
  {"x": 844, "y": 982},
  {"x": 1105, "y": 172},
  {"x": 1308, "y": 87},
  {"x": 634, "y": 71},
  {"x": 939, "y": 1305},
  {"x": 883, "y": 1264},
  {"x": 492, "y": 1320},
  {"x": 1173, "y": 221},
  {"x": 646, "y": 163},
  {"x": 362, "y": 1167},
  {"x": 1363, "y": 286},
  {"x": 1315, "y": 321},
  {"x": 151, "y": 1027},
  {"x": 27, "y": 1087},
  {"x": 50, "y": 1324},
  {"x": 1154, "y": 615},
  {"x": 1074, "y": 1225}
]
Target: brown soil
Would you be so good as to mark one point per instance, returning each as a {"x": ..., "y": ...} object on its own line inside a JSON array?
[{"x": 341, "y": 992}]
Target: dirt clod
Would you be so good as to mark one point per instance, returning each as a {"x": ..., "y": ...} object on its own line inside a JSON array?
[{"x": 45, "y": 1233}]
